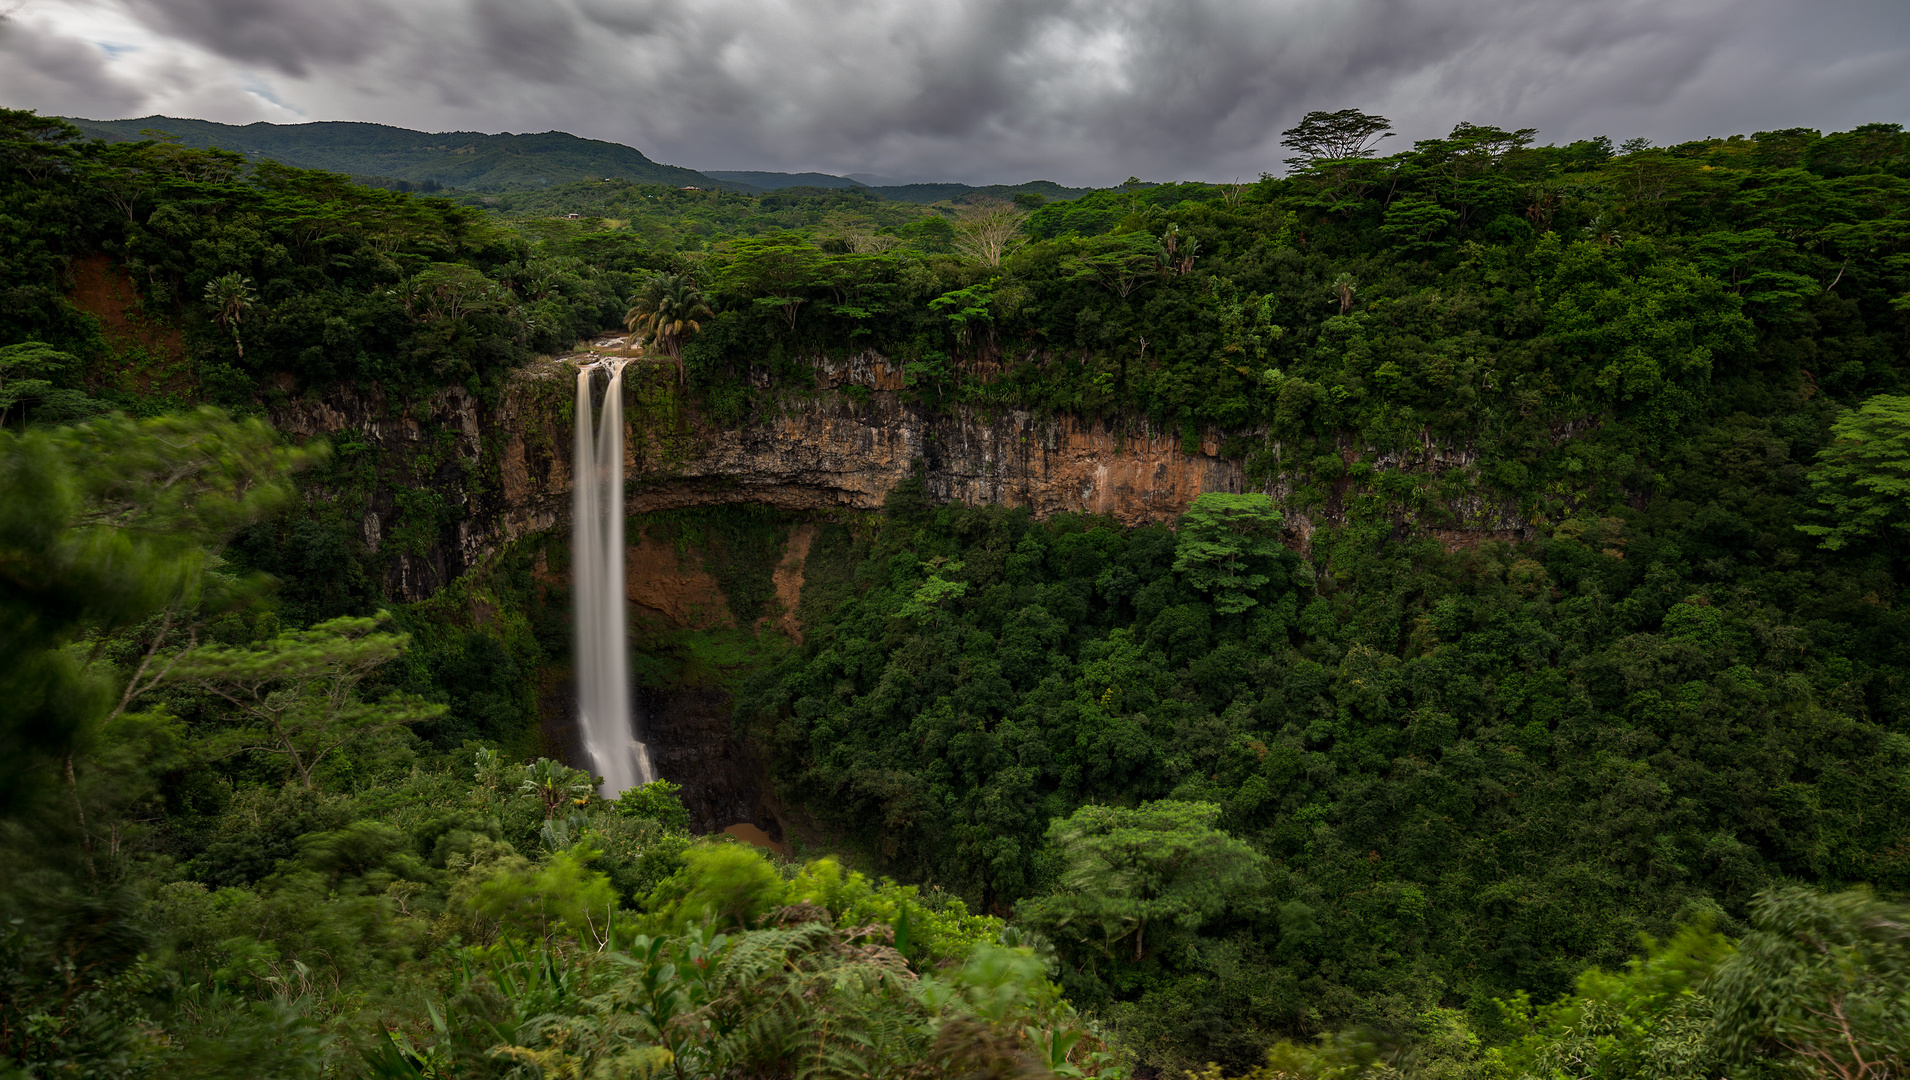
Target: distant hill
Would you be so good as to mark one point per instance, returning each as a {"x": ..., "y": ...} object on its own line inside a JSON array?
[
  {"x": 915, "y": 193},
  {"x": 771, "y": 181},
  {"x": 468, "y": 160},
  {"x": 934, "y": 193}
]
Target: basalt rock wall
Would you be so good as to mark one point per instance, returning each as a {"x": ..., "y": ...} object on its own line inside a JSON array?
[{"x": 503, "y": 468}]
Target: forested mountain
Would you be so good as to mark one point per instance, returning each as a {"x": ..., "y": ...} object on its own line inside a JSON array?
[
  {"x": 474, "y": 161},
  {"x": 1041, "y": 190},
  {"x": 770, "y": 181},
  {"x": 915, "y": 193},
  {"x": 1530, "y": 703},
  {"x": 455, "y": 159}
]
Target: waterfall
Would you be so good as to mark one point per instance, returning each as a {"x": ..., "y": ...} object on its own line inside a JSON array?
[{"x": 603, "y": 678}]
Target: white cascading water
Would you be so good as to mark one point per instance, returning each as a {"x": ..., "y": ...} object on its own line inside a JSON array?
[{"x": 603, "y": 678}]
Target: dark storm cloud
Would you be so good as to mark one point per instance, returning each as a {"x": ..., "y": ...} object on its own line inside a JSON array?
[
  {"x": 1072, "y": 90},
  {"x": 292, "y": 36}
]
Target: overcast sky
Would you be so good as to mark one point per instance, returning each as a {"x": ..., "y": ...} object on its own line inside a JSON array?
[{"x": 1077, "y": 91}]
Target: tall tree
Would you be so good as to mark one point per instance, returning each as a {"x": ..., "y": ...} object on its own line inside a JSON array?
[
  {"x": 988, "y": 229},
  {"x": 1118, "y": 263},
  {"x": 670, "y": 308},
  {"x": 1228, "y": 547},
  {"x": 20, "y": 366},
  {"x": 298, "y": 692},
  {"x": 775, "y": 272},
  {"x": 1862, "y": 479},
  {"x": 1334, "y": 136},
  {"x": 230, "y": 296},
  {"x": 1127, "y": 869},
  {"x": 101, "y": 526}
]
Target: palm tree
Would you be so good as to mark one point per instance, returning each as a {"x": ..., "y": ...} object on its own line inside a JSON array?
[
  {"x": 555, "y": 784},
  {"x": 230, "y": 296},
  {"x": 670, "y": 308},
  {"x": 1345, "y": 287}
]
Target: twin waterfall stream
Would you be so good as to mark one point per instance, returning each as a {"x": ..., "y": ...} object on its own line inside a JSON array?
[{"x": 604, "y": 714}]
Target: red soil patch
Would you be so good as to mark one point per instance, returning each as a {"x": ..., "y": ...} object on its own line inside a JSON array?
[
  {"x": 750, "y": 834},
  {"x": 788, "y": 579},
  {"x": 107, "y": 293},
  {"x": 658, "y": 582}
]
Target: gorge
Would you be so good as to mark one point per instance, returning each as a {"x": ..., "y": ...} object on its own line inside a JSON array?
[{"x": 827, "y": 452}]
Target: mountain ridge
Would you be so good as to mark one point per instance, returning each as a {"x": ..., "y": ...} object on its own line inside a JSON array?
[
  {"x": 469, "y": 160},
  {"x": 912, "y": 191},
  {"x": 478, "y": 162}
]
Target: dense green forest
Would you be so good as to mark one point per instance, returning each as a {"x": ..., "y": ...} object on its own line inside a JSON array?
[{"x": 1538, "y": 711}]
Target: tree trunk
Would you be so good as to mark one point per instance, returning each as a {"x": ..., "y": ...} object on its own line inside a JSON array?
[
  {"x": 79, "y": 814},
  {"x": 298, "y": 763}
]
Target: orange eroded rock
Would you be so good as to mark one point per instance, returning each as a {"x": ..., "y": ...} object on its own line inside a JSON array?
[{"x": 663, "y": 585}]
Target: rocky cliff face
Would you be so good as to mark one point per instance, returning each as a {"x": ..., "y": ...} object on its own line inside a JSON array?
[{"x": 504, "y": 467}]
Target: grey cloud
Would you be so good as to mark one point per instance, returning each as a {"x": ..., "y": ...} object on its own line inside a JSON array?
[
  {"x": 293, "y": 36},
  {"x": 538, "y": 41},
  {"x": 48, "y": 72},
  {"x": 1071, "y": 90}
]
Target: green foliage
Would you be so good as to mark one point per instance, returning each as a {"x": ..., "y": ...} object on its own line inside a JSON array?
[
  {"x": 780, "y": 974},
  {"x": 931, "y": 929},
  {"x": 774, "y": 1000},
  {"x": 1823, "y": 981},
  {"x": 669, "y": 309},
  {"x": 18, "y": 366},
  {"x": 775, "y": 274},
  {"x": 556, "y": 785},
  {"x": 1121, "y": 870},
  {"x": 965, "y": 309},
  {"x": 537, "y": 899},
  {"x": 298, "y": 692},
  {"x": 1815, "y": 989},
  {"x": 1334, "y": 136},
  {"x": 924, "y": 604},
  {"x": 1364, "y": 788},
  {"x": 230, "y": 296},
  {"x": 329, "y": 280},
  {"x": 1862, "y": 479},
  {"x": 1438, "y": 1044},
  {"x": 1650, "y": 1020},
  {"x": 1414, "y": 224},
  {"x": 1229, "y": 548},
  {"x": 1470, "y": 772},
  {"x": 1116, "y": 263},
  {"x": 726, "y": 885},
  {"x": 102, "y": 526},
  {"x": 658, "y": 801}
]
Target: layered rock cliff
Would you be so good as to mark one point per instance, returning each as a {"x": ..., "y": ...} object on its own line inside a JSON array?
[{"x": 503, "y": 468}]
